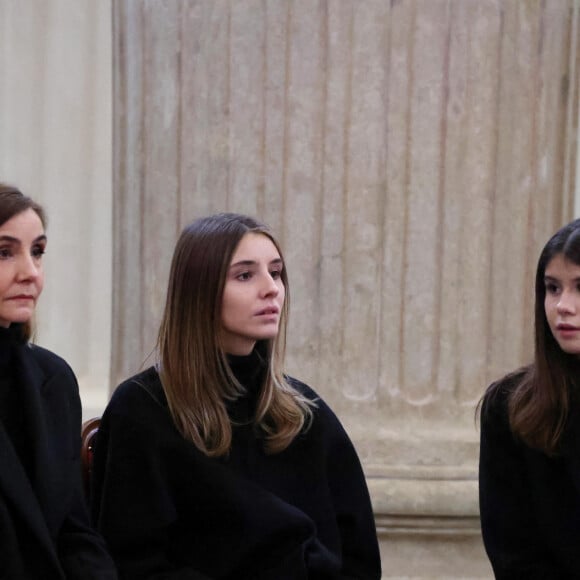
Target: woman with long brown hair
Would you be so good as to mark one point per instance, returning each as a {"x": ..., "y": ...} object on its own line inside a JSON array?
[
  {"x": 215, "y": 464},
  {"x": 44, "y": 523},
  {"x": 529, "y": 475}
]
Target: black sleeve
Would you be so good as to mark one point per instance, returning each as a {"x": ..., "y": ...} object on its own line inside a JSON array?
[
  {"x": 354, "y": 513},
  {"x": 509, "y": 528},
  {"x": 131, "y": 499},
  {"x": 82, "y": 551}
]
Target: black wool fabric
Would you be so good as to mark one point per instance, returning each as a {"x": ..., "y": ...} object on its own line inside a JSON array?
[
  {"x": 44, "y": 523},
  {"x": 168, "y": 511},
  {"x": 249, "y": 371},
  {"x": 529, "y": 501},
  {"x": 11, "y": 398}
]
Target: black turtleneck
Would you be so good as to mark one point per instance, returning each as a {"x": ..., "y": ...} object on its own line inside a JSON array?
[
  {"x": 12, "y": 415},
  {"x": 249, "y": 371},
  {"x": 166, "y": 509},
  {"x": 9, "y": 337}
]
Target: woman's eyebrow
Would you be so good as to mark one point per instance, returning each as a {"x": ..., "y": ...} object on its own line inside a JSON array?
[
  {"x": 554, "y": 279},
  {"x": 10, "y": 239},
  {"x": 13, "y": 240},
  {"x": 244, "y": 263},
  {"x": 254, "y": 262}
]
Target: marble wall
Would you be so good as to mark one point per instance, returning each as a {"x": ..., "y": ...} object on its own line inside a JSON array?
[{"x": 413, "y": 156}]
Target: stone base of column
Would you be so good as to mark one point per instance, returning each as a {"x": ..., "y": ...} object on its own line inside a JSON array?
[
  {"x": 428, "y": 528},
  {"x": 428, "y": 549}
]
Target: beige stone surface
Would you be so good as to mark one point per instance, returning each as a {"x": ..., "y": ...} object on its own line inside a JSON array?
[{"x": 413, "y": 157}]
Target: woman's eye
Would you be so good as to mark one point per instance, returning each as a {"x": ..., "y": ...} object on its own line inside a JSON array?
[
  {"x": 38, "y": 251},
  {"x": 5, "y": 253},
  {"x": 551, "y": 288},
  {"x": 244, "y": 276},
  {"x": 276, "y": 274}
]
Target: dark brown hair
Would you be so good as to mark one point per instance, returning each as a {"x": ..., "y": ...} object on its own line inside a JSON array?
[
  {"x": 539, "y": 404},
  {"x": 193, "y": 366},
  {"x": 12, "y": 203}
]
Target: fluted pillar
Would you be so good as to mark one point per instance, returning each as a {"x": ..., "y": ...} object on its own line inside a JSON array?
[{"x": 413, "y": 157}]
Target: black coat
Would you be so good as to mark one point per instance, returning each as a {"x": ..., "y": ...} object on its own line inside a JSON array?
[
  {"x": 529, "y": 501},
  {"x": 44, "y": 527},
  {"x": 168, "y": 511}
]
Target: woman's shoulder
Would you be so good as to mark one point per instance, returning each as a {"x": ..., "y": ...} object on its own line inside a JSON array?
[
  {"x": 50, "y": 362},
  {"x": 326, "y": 433},
  {"x": 498, "y": 393},
  {"x": 495, "y": 402},
  {"x": 319, "y": 405},
  {"x": 323, "y": 415},
  {"x": 143, "y": 386},
  {"x": 302, "y": 388}
]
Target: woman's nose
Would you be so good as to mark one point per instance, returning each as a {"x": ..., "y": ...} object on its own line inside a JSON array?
[
  {"x": 28, "y": 269},
  {"x": 566, "y": 303},
  {"x": 270, "y": 287}
]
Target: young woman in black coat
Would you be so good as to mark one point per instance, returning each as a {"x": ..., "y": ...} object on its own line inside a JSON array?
[
  {"x": 529, "y": 475},
  {"x": 214, "y": 464},
  {"x": 44, "y": 527}
]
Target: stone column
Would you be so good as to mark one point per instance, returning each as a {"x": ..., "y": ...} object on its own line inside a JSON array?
[{"x": 413, "y": 156}]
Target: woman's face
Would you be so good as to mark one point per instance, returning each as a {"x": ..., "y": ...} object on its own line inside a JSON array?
[
  {"x": 253, "y": 295},
  {"x": 22, "y": 244},
  {"x": 562, "y": 302}
]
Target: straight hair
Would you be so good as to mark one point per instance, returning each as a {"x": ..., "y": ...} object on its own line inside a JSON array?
[
  {"x": 539, "y": 405},
  {"x": 193, "y": 366}
]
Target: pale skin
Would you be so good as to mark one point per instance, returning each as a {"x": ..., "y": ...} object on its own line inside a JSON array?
[
  {"x": 562, "y": 302},
  {"x": 22, "y": 245},
  {"x": 253, "y": 295}
]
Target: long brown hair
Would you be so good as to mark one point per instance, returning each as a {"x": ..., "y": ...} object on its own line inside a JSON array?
[
  {"x": 12, "y": 203},
  {"x": 540, "y": 402},
  {"x": 193, "y": 367}
]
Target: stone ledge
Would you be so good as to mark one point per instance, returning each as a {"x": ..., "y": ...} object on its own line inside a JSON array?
[
  {"x": 405, "y": 505},
  {"x": 424, "y": 526}
]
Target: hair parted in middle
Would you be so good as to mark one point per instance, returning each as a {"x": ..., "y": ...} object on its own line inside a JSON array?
[
  {"x": 193, "y": 366},
  {"x": 12, "y": 203}
]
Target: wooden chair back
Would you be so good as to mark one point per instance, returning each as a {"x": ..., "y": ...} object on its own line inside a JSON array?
[{"x": 88, "y": 432}]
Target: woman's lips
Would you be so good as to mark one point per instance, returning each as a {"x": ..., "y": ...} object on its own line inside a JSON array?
[
  {"x": 272, "y": 310},
  {"x": 567, "y": 330}
]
